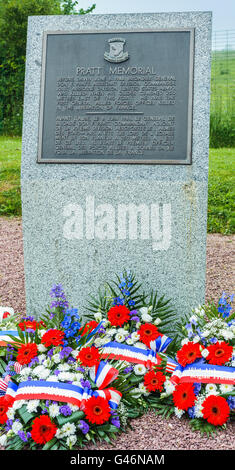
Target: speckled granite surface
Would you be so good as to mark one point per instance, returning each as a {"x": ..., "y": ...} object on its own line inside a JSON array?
[{"x": 169, "y": 253}]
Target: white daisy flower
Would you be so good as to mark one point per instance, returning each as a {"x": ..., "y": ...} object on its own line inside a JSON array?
[
  {"x": 139, "y": 369},
  {"x": 211, "y": 389},
  {"x": 129, "y": 341},
  {"x": 226, "y": 388},
  {"x": 41, "y": 348}
]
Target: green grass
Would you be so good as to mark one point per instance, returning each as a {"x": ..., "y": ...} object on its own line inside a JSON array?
[{"x": 221, "y": 195}]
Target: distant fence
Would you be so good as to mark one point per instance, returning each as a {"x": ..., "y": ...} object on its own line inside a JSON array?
[
  {"x": 222, "y": 124},
  {"x": 223, "y": 71}
]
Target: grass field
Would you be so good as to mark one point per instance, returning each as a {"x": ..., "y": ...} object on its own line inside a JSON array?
[{"x": 221, "y": 197}]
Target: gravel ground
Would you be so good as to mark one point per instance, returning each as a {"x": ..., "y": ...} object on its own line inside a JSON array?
[{"x": 172, "y": 434}]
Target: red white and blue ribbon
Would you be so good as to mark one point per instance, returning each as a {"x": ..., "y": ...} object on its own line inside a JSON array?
[
  {"x": 124, "y": 352},
  {"x": 199, "y": 372},
  {"x": 68, "y": 393},
  {"x": 161, "y": 343}
]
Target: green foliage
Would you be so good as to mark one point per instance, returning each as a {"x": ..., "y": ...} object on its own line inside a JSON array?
[
  {"x": 200, "y": 424},
  {"x": 13, "y": 31}
]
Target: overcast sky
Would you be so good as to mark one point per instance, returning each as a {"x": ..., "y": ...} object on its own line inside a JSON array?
[{"x": 223, "y": 10}]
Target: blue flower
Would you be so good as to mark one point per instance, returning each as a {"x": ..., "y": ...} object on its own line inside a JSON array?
[
  {"x": 65, "y": 410},
  {"x": 131, "y": 302},
  {"x": 231, "y": 402},
  {"x": 66, "y": 322},
  {"x": 83, "y": 426},
  {"x": 191, "y": 412}
]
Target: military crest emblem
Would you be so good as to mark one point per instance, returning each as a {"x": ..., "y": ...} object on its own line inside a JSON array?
[{"x": 116, "y": 53}]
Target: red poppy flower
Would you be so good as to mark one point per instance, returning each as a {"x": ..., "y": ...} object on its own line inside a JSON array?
[
  {"x": 26, "y": 353},
  {"x": 148, "y": 333},
  {"x": 184, "y": 396},
  {"x": 118, "y": 315},
  {"x": 5, "y": 403},
  {"x": 154, "y": 381},
  {"x": 215, "y": 409},
  {"x": 89, "y": 326},
  {"x": 43, "y": 429},
  {"x": 188, "y": 353},
  {"x": 89, "y": 356},
  {"x": 53, "y": 338},
  {"x": 97, "y": 410},
  {"x": 219, "y": 353}
]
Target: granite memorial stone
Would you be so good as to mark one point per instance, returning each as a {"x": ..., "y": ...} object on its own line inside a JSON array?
[{"x": 115, "y": 154}]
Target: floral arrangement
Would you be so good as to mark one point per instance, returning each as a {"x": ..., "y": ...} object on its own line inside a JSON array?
[{"x": 64, "y": 383}]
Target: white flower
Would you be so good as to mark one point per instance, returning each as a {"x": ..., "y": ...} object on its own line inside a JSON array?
[
  {"x": 157, "y": 321},
  {"x": 18, "y": 404},
  {"x": 227, "y": 334},
  {"x": 59, "y": 434},
  {"x": 193, "y": 319},
  {"x": 211, "y": 389},
  {"x": 129, "y": 341},
  {"x": 26, "y": 371},
  {"x": 179, "y": 413},
  {"x": 41, "y": 358},
  {"x": 226, "y": 388},
  {"x": 44, "y": 374},
  {"x": 146, "y": 318},
  {"x": 63, "y": 367},
  {"x": 143, "y": 389},
  {"x": 54, "y": 410},
  {"x": 143, "y": 310},
  {"x": 16, "y": 427},
  {"x": 196, "y": 339},
  {"x": 98, "y": 342},
  {"x": 138, "y": 325},
  {"x": 140, "y": 345},
  {"x": 66, "y": 376},
  {"x": 184, "y": 341},
  {"x": 56, "y": 358},
  {"x": 206, "y": 333},
  {"x": 135, "y": 336},
  {"x": 11, "y": 413},
  {"x": 205, "y": 353},
  {"x": 3, "y": 440},
  {"x": 121, "y": 331},
  {"x": 169, "y": 387},
  {"x": 119, "y": 337},
  {"x": 75, "y": 353},
  {"x": 98, "y": 316},
  {"x": 68, "y": 429},
  {"x": 139, "y": 369},
  {"x": 71, "y": 440},
  {"x": 74, "y": 407},
  {"x": 135, "y": 392},
  {"x": 41, "y": 348},
  {"x": 32, "y": 405},
  {"x": 111, "y": 332},
  {"x": 52, "y": 378}
]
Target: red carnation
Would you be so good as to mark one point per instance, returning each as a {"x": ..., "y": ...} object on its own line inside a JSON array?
[
  {"x": 184, "y": 396},
  {"x": 43, "y": 429},
  {"x": 26, "y": 353},
  {"x": 97, "y": 410},
  {"x": 89, "y": 356},
  {"x": 219, "y": 353},
  {"x": 154, "y": 381},
  {"x": 215, "y": 409},
  {"x": 89, "y": 326},
  {"x": 53, "y": 338},
  {"x": 148, "y": 333},
  {"x": 188, "y": 353},
  {"x": 118, "y": 315},
  {"x": 5, "y": 403}
]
